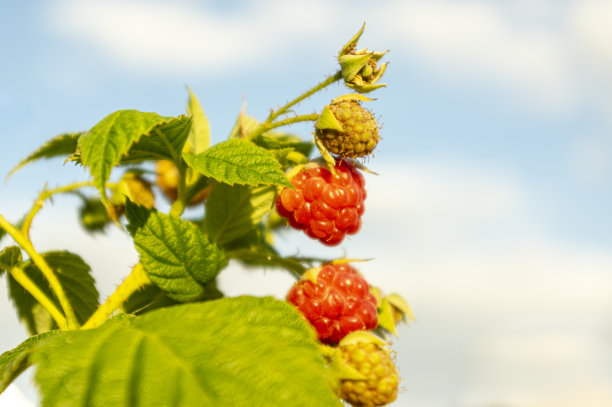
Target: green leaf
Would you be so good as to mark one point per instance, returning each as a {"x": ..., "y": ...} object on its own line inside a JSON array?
[
  {"x": 176, "y": 255},
  {"x": 199, "y": 135},
  {"x": 103, "y": 146},
  {"x": 231, "y": 211},
  {"x": 9, "y": 258},
  {"x": 238, "y": 161},
  {"x": 164, "y": 141},
  {"x": 74, "y": 276},
  {"x": 16, "y": 361},
  {"x": 242, "y": 351},
  {"x": 62, "y": 145},
  {"x": 272, "y": 140}
]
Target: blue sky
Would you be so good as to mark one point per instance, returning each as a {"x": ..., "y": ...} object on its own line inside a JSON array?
[{"x": 491, "y": 213}]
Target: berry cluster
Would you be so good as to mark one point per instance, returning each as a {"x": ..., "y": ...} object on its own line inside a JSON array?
[
  {"x": 336, "y": 300},
  {"x": 325, "y": 206}
]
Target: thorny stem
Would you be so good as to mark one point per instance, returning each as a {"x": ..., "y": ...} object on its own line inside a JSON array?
[
  {"x": 42, "y": 197},
  {"x": 22, "y": 278},
  {"x": 42, "y": 265},
  {"x": 137, "y": 278},
  {"x": 275, "y": 113}
]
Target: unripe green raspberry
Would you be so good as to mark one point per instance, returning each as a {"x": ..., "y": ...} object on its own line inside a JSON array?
[
  {"x": 356, "y": 134},
  {"x": 374, "y": 362}
]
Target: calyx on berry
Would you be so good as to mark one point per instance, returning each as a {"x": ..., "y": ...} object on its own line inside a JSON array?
[
  {"x": 347, "y": 129},
  {"x": 325, "y": 206},
  {"x": 364, "y": 365},
  {"x": 336, "y": 300},
  {"x": 360, "y": 69}
]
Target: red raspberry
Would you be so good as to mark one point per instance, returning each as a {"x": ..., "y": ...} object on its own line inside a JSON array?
[
  {"x": 325, "y": 206},
  {"x": 336, "y": 300}
]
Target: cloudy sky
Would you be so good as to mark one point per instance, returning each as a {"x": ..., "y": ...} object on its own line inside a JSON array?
[{"x": 491, "y": 210}]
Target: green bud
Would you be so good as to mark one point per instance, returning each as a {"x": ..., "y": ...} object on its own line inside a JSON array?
[{"x": 360, "y": 69}]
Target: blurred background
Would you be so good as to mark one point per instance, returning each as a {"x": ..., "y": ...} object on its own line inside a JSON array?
[{"x": 491, "y": 211}]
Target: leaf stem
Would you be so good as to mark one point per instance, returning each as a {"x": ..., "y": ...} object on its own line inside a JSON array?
[
  {"x": 137, "y": 278},
  {"x": 22, "y": 278},
  {"x": 42, "y": 197},
  {"x": 42, "y": 265}
]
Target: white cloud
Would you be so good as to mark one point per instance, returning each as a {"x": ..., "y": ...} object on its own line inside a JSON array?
[{"x": 183, "y": 37}]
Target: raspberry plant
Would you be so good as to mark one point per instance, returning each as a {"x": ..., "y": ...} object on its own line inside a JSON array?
[{"x": 167, "y": 335}]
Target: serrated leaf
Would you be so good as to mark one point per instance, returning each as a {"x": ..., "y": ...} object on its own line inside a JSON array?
[
  {"x": 238, "y": 161},
  {"x": 16, "y": 361},
  {"x": 231, "y": 211},
  {"x": 199, "y": 135},
  {"x": 9, "y": 258},
  {"x": 242, "y": 351},
  {"x": 164, "y": 141},
  {"x": 177, "y": 256},
  {"x": 74, "y": 276},
  {"x": 103, "y": 146},
  {"x": 62, "y": 145},
  {"x": 272, "y": 140}
]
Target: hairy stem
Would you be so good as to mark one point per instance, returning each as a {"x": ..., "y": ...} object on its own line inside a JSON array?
[
  {"x": 22, "y": 278},
  {"x": 269, "y": 126},
  {"x": 275, "y": 113},
  {"x": 42, "y": 265},
  {"x": 332, "y": 79},
  {"x": 42, "y": 197},
  {"x": 137, "y": 278}
]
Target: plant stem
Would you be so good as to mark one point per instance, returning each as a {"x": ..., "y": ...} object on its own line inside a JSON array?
[
  {"x": 275, "y": 113},
  {"x": 178, "y": 207},
  {"x": 42, "y": 197},
  {"x": 22, "y": 278},
  {"x": 269, "y": 126},
  {"x": 332, "y": 79},
  {"x": 137, "y": 278},
  {"x": 42, "y": 265}
]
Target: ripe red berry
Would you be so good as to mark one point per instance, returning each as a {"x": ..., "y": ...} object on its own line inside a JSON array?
[
  {"x": 325, "y": 206},
  {"x": 336, "y": 300}
]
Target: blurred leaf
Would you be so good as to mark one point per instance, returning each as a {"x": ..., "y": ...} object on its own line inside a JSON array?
[
  {"x": 244, "y": 125},
  {"x": 273, "y": 140},
  {"x": 238, "y": 161},
  {"x": 231, "y": 211},
  {"x": 104, "y": 145},
  {"x": 199, "y": 134},
  {"x": 9, "y": 258},
  {"x": 62, "y": 145},
  {"x": 177, "y": 256},
  {"x": 76, "y": 280},
  {"x": 241, "y": 351},
  {"x": 16, "y": 361},
  {"x": 267, "y": 259}
]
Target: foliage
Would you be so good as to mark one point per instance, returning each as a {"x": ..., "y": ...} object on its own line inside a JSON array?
[{"x": 167, "y": 335}]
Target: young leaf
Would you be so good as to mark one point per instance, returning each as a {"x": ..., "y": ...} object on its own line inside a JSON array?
[
  {"x": 15, "y": 361},
  {"x": 62, "y": 145},
  {"x": 74, "y": 276},
  {"x": 103, "y": 146},
  {"x": 199, "y": 135},
  {"x": 176, "y": 255},
  {"x": 9, "y": 257},
  {"x": 231, "y": 211},
  {"x": 244, "y": 125},
  {"x": 238, "y": 161},
  {"x": 241, "y": 351},
  {"x": 164, "y": 141}
]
